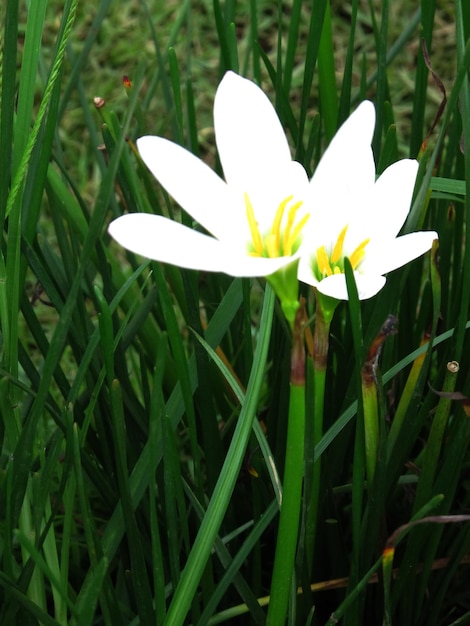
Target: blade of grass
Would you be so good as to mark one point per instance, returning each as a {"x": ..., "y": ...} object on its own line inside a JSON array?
[
  {"x": 346, "y": 85},
  {"x": 311, "y": 55},
  {"x": 421, "y": 77},
  {"x": 7, "y": 110},
  {"x": 292, "y": 43},
  {"x": 463, "y": 47},
  {"x": 382, "y": 87},
  {"x": 208, "y": 530},
  {"x": 232, "y": 566},
  {"x": 182, "y": 368},
  {"x": 327, "y": 77}
]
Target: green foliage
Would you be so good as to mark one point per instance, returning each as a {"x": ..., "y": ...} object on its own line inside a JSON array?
[{"x": 144, "y": 408}]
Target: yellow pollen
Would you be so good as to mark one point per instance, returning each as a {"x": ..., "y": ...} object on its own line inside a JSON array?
[
  {"x": 358, "y": 254},
  {"x": 255, "y": 234},
  {"x": 323, "y": 262},
  {"x": 338, "y": 249}
]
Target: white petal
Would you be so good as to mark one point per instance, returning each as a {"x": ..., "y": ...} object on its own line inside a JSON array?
[
  {"x": 193, "y": 185},
  {"x": 164, "y": 240},
  {"x": 161, "y": 239},
  {"x": 388, "y": 256},
  {"x": 367, "y": 286},
  {"x": 305, "y": 273},
  {"x": 346, "y": 172},
  {"x": 252, "y": 144},
  {"x": 391, "y": 198},
  {"x": 265, "y": 200}
]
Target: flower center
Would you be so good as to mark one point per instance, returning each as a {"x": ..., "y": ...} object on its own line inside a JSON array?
[
  {"x": 283, "y": 238},
  {"x": 327, "y": 265}
]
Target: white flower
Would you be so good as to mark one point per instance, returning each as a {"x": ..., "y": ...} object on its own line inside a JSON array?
[
  {"x": 255, "y": 217},
  {"x": 356, "y": 216}
]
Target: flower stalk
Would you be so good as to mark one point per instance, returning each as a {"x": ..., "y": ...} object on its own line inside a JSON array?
[
  {"x": 284, "y": 560},
  {"x": 325, "y": 308}
]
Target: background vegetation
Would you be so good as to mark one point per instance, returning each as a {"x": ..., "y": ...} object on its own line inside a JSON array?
[{"x": 116, "y": 416}]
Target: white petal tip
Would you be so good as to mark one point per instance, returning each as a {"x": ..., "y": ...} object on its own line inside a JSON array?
[{"x": 367, "y": 286}]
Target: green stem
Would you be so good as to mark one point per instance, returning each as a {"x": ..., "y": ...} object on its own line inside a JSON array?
[
  {"x": 324, "y": 314},
  {"x": 288, "y": 532}
]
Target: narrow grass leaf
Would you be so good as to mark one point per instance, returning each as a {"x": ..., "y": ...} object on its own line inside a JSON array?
[
  {"x": 89, "y": 594},
  {"x": 29, "y": 607},
  {"x": 327, "y": 77},
  {"x": 138, "y": 574},
  {"x": 222, "y": 492}
]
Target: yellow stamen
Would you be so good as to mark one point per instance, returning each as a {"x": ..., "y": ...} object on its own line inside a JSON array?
[
  {"x": 290, "y": 241},
  {"x": 358, "y": 254},
  {"x": 276, "y": 227},
  {"x": 283, "y": 234},
  {"x": 255, "y": 234},
  {"x": 323, "y": 262},
  {"x": 270, "y": 243},
  {"x": 338, "y": 249}
]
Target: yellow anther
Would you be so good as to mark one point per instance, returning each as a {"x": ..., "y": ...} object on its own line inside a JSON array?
[
  {"x": 255, "y": 234},
  {"x": 358, "y": 254},
  {"x": 323, "y": 262},
  {"x": 338, "y": 249}
]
